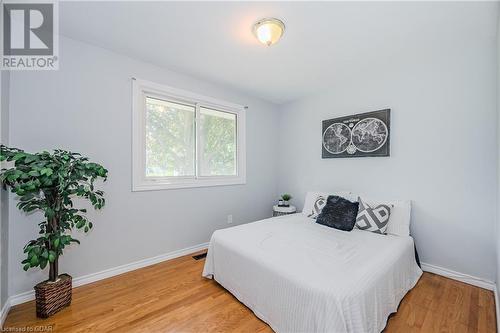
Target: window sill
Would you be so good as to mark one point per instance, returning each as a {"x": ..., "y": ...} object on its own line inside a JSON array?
[{"x": 165, "y": 185}]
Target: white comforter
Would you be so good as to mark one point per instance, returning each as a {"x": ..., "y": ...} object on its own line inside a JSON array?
[{"x": 299, "y": 276}]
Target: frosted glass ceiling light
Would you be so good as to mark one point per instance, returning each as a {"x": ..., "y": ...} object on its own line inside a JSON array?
[{"x": 269, "y": 30}]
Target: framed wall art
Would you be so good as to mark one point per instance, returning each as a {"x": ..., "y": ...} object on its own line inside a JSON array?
[{"x": 360, "y": 135}]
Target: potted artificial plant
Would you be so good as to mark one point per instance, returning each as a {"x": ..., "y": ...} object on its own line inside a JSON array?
[
  {"x": 286, "y": 198},
  {"x": 48, "y": 182}
]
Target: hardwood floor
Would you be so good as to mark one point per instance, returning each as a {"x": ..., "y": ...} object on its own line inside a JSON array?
[{"x": 173, "y": 297}]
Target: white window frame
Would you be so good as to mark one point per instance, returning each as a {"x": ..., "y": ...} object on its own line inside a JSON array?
[{"x": 141, "y": 90}]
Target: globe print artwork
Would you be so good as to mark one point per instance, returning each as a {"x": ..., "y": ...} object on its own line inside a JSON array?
[
  {"x": 369, "y": 134},
  {"x": 360, "y": 135},
  {"x": 336, "y": 138}
]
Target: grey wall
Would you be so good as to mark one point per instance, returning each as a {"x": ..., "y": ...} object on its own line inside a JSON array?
[
  {"x": 442, "y": 92},
  {"x": 85, "y": 106},
  {"x": 4, "y": 206}
]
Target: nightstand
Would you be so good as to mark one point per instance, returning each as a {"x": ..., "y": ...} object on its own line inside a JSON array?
[{"x": 278, "y": 211}]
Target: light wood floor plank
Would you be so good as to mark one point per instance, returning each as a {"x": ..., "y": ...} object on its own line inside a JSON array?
[{"x": 173, "y": 297}]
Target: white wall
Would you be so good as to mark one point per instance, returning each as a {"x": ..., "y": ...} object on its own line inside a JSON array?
[
  {"x": 498, "y": 163},
  {"x": 86, "y": 107},
  {"x": 442, "y": 92},
  {"x": 4, "y": 206}
]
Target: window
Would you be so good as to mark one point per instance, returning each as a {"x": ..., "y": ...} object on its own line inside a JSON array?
[{"x": 181, "y": 139}]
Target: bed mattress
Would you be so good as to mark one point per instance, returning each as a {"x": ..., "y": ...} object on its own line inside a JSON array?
[{"x": 299, "y": 276}]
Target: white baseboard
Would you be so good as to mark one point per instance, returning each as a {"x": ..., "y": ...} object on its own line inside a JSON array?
[
  {"x": 473, "y": 280},
  {"x": 86, "y": 279},
  {"x": 4, "y": 312}
]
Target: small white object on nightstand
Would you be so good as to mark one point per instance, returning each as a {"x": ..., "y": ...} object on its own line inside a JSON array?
[{"x": 278, "y": 211}]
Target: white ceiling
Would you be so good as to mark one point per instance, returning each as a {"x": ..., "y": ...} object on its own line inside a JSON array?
[{"x": 324, "y": 42}]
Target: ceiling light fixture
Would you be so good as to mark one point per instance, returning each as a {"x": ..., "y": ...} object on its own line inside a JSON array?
[{"x": 269, "y": 30}]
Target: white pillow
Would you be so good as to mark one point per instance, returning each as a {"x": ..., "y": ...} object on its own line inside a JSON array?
[
  {"x": 315, "y": 201},
  {"x": 399, "y": 220}
]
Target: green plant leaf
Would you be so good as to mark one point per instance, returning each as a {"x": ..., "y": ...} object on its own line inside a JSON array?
[
  {"x": 34, "y": 173},
  {"x": 46, "y": 171},
  {"x": 45, "y": 254},
  {"x": 34, "y": 261},
  {"x": 52, "y": 256},
  {"x": 18, "y": 156}
]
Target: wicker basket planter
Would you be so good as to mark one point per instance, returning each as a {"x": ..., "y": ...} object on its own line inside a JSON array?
[{"x": 51, "y": 297}]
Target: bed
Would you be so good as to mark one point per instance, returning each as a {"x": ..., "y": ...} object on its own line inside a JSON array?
[{"x": 300, "y": 276}]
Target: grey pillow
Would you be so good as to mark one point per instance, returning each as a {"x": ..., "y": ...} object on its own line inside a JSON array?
[
  {"x": 374, "y": 219},
  {"x": 338, "y": 213}
]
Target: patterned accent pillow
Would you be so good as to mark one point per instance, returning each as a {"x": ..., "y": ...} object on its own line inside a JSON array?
[
  {"x": 317, "y": 207},
  {"x": 374, "y": 219},
  {"x": 315, "y": 201}
]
